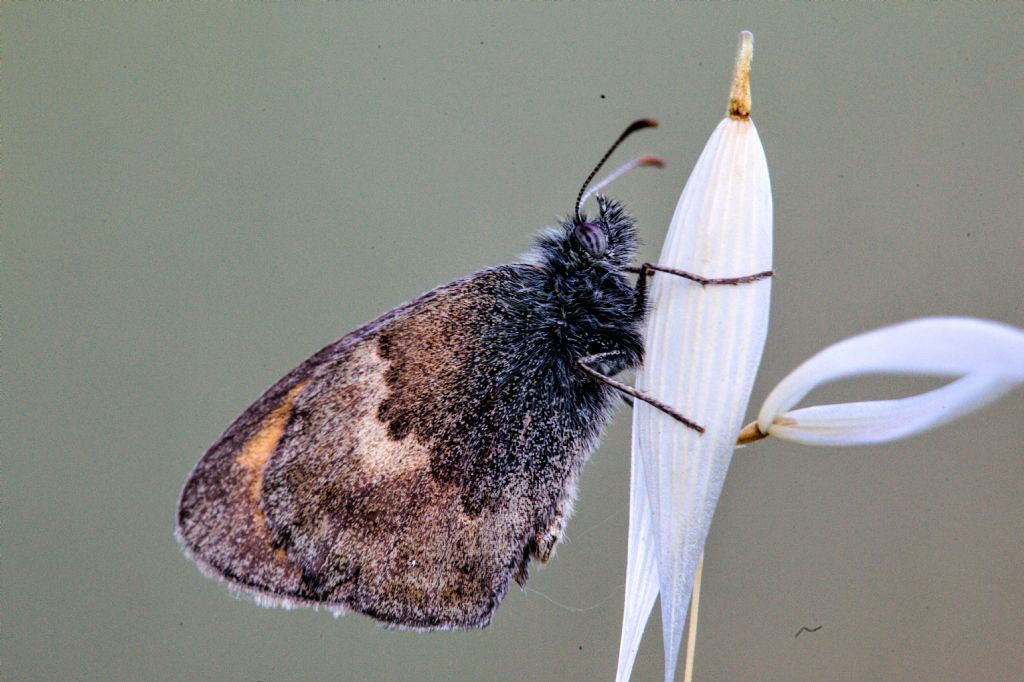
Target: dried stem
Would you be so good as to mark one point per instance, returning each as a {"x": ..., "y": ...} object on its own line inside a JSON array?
[
  {"x": 691, "y": 635},
  {"x": 749, "y": 434}
]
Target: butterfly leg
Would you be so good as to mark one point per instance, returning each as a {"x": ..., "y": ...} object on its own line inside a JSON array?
[
  {"x": 541, "y": 545},
  {"x": 547, "y": 539},
  {"x": 648, "y": 269},
  {"x": 585, "y": 363}
]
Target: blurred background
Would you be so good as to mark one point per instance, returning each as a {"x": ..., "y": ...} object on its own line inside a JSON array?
[{"x": 196, "y": 197}]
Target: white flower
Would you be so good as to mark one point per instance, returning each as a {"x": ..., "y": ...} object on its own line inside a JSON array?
[
  {"x": 987, "y": 356},
  {"x": 703, "y": 347}
]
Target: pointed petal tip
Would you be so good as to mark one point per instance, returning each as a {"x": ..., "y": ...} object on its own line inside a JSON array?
[{"x": 739, "y": 94}]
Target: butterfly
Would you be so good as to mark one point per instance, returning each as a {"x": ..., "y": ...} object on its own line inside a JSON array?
[{"x": 415, "y": 467}]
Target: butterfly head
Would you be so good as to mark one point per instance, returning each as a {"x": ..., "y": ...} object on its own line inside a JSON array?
[
  {"x": 591, "y": 237},
  {"x": 609, "y": 239}
]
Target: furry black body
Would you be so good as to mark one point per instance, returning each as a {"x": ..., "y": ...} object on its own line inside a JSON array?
[
  {"x": 528, "y": 414},
  {"x": 585, "y": 303},
  {"x": 413, "y": 468}
]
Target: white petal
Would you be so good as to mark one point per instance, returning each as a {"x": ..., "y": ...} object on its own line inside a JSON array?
[
  {"x": 641, "y": 570},
  {"x": 703, "y": 348},
  {"x": 989, "y": 357}
]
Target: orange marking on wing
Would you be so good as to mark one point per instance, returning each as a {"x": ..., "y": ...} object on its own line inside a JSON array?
[{"x": 257, "y": 450}]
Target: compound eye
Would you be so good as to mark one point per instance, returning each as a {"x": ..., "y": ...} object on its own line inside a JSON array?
[{"x": 592, "y": 238}]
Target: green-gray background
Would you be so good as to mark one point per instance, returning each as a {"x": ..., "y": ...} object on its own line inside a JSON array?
[{"x": 195, "y": 197}]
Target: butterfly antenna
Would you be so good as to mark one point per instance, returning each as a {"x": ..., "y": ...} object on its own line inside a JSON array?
[
  {"x": 636, "y": 162},
  {"x": 633, "y": 127}
]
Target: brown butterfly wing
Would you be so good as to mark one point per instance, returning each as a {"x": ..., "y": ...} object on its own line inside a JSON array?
[{"x": 348, "y": 485}]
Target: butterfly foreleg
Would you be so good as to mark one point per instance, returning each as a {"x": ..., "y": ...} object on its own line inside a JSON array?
[{"x": 646, "y": 270}]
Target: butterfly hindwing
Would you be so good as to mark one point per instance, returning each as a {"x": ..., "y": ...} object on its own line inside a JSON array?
[{"x": 407, "y": 471}]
